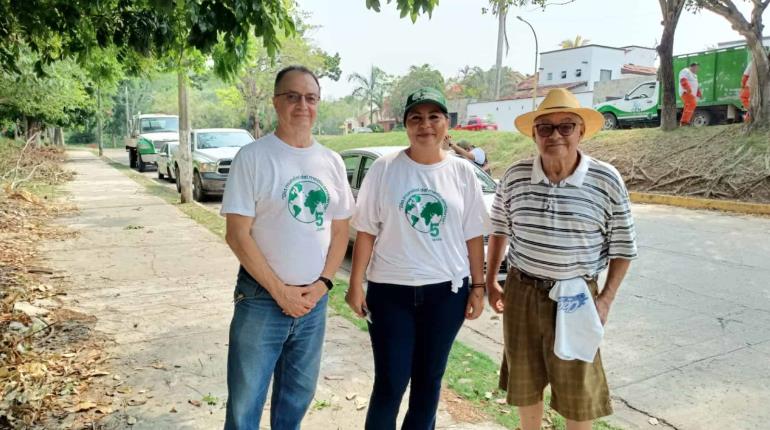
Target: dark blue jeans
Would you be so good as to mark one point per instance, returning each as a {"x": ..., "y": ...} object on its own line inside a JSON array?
[
  {"x": 412, "y": 332},
  {"x": 265, "y": 343}
]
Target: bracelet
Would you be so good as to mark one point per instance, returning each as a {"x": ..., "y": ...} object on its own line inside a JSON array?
[
  {"x": 478, "y": 286},
  {"x": 327, "y": 282}
]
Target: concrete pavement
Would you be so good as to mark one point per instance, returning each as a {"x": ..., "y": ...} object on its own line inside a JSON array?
[{"x": 160, "y": 286}]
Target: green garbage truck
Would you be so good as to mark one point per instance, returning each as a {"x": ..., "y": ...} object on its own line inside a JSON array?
[
  {"x": 719, "y": 77},
  {"x": 148, "y": 134}
]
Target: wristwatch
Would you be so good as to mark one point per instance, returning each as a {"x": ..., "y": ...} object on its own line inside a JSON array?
[{"x": 328, "y": 282}]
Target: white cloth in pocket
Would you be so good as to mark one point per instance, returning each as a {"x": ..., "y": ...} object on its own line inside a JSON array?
[{"x": 579, "y": 330}]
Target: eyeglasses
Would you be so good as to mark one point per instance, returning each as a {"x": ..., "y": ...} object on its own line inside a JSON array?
[
  {"x": 294, "y": 98},
  {"x": 564, "y": 129}
]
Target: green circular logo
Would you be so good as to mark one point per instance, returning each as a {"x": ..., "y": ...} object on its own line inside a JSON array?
[
  {"x": 425, "y": 210},
  {"x": 307, "y": 200}
]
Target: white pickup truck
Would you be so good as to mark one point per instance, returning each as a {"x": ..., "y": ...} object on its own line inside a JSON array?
[{"x": 148, "y": 134}]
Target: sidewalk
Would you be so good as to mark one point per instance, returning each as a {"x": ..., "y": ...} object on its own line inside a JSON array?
[{"x": 160, "y": 286}]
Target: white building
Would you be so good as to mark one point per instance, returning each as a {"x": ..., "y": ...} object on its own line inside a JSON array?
[{"x": 577, "y": 69}]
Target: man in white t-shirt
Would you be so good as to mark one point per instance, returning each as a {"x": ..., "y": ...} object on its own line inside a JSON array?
[
  {"x": 471, "y": 152},
  {"x": 287, "y": 203},
  {"x": 689, "y": 92}
]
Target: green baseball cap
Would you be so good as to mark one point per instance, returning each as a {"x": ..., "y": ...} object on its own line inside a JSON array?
[{"x": 425, "y": 95}]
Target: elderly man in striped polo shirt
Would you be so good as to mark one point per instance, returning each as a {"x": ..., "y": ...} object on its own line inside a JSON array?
[{"x": 566, "y": 217}]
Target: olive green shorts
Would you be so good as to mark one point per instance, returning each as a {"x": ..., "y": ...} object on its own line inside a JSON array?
[{"x": 578, "y": 389}]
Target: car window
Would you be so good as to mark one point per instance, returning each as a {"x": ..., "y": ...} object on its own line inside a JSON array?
[
  {"x": 487, "y": 183},
  {"x": 351, "y": 167},
  {"x": 223, "y": 139},
  {"x": 156, "y": 125},
  {"x": 368, "y": 161},
  {"x": 164, "y": 149}
]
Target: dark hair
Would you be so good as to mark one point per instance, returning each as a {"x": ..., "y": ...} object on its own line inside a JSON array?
[{"x": 294, "y": 68}]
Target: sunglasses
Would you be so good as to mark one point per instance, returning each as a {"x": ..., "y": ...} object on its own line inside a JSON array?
[{"x": 546, "y": 130}]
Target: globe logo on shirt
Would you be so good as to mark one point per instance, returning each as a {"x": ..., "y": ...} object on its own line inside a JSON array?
[
  {"x": 425, "y": 210},
  {"x": 307, "y": 199}
]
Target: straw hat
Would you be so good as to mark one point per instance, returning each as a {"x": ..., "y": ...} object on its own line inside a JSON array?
[{"x": 561, "y": 100}]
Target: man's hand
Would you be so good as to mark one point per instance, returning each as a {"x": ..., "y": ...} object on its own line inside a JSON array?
[
  {"x": 603, "y": 308},
  {"x": 293, "y": 302},
  {"x": 495, "y": 293},
  {"x": 475, "y": 304},
  {"x": 315, "y": 291},
  {"x": 356, "y": 299}
]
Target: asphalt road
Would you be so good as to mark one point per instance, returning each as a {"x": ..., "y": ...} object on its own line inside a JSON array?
[{"x": 688, "y": 338}]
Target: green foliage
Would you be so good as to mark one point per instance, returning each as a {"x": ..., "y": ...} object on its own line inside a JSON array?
[
  {"x": 476, "y": 83},
  {"x": 413, "y": 8},
  {"x": 81, "y": 137},
  {"x": 59, "y": 96},
  {"x": 371, "y": 89},
  {"x": 416, "y": 78},
  {"x": 333, "y": 113},
  {"x": 376, "y": 128}
]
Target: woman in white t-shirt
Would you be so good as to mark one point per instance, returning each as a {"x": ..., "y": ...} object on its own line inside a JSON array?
[{"x": 420, "y": 219}]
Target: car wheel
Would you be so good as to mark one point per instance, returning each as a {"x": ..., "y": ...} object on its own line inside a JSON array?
[
  {"x": 169, "y": 176},
  {"x": 140, "y": 164},
  {"x": 198, "y": 194},
  {"x": 701, "y": 118},
  {"x": 610, "y": 121},
  {"x": 178, "y": 183},
  {"x": 132, "y": 158},
  {"x": 160, "y": 174}
]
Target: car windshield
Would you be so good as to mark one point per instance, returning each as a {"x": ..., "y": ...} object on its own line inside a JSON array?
[
  {"x": 156, "y": 125},
  {"x": 223, "y": 139}
]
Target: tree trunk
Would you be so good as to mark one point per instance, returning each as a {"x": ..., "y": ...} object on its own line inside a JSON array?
[
  {"x": 501, "y": 18},
  {"x": 185, "y": 158},
  {"x": 128, "y": 114},
  {"x": 759, "y": 84},
  {"x": 671, "y": 10},
  {"x": 58, "y": 136},
  {"x": 99, "y": 143}
]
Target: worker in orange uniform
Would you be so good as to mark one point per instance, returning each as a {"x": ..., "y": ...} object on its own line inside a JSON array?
[
  {"x": 688, "y": 91},
  {"x": 745, "y": 92}
]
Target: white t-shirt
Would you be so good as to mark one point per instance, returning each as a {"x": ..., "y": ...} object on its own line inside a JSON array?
[
  {"x": 293, "y": 195},
  {"x": 579, "y": 330},
  {"x": 479, "y": 156},
  {"x": 422, "y": 216},
  {"x": 691, "y": 78}
]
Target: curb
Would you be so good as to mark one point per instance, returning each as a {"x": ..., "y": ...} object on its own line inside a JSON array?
[{"x": 696, "y": 203}]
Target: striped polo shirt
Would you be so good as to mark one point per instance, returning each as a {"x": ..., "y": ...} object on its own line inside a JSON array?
[{"x": 565, "y": 230}]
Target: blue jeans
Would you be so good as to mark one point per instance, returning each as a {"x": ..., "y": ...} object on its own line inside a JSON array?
[
  {"x": 263, "y": 343},
  {"x": 412, "y": 332}
]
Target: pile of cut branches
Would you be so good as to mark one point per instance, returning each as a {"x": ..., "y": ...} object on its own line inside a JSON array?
[{"x": 712, "y": 162}]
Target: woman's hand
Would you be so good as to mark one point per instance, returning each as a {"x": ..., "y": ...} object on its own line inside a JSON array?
[
  {"x": 475, "y": 304},
  {"x": 356, "y": 299}
]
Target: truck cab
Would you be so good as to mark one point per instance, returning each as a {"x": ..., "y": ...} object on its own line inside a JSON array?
[
  {"x": 640, "y": 105},
  {"x": 212, "y": 151},
  {"x": 149, "y": 132}
]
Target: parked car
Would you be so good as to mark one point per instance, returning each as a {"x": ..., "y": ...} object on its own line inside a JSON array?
[
  {"x": 361, "y": 130},
  {"x": 166, "y": 161},
  {"x": 148, "y": 134},
  {"x": 359, "y": 160},
  {"x": 476, "y": 124},
  {"x": 213, "y": 150}
]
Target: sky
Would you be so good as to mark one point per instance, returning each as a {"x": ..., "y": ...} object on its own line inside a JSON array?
[{"x": 458, "y": 34}]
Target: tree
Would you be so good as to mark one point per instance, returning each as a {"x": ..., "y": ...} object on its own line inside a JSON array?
[
  {"x": 500, "y": 8},
  {"x": 370, "y": 89},
  {"x": 60, "y": 96},
  {"x": 416, "y": 78},
  {"x": 476, "y": 83},
  {"x": 671, "y": 10},
  {"x": 751, "y": 30},
  {"x": 574, "y": 43}
]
